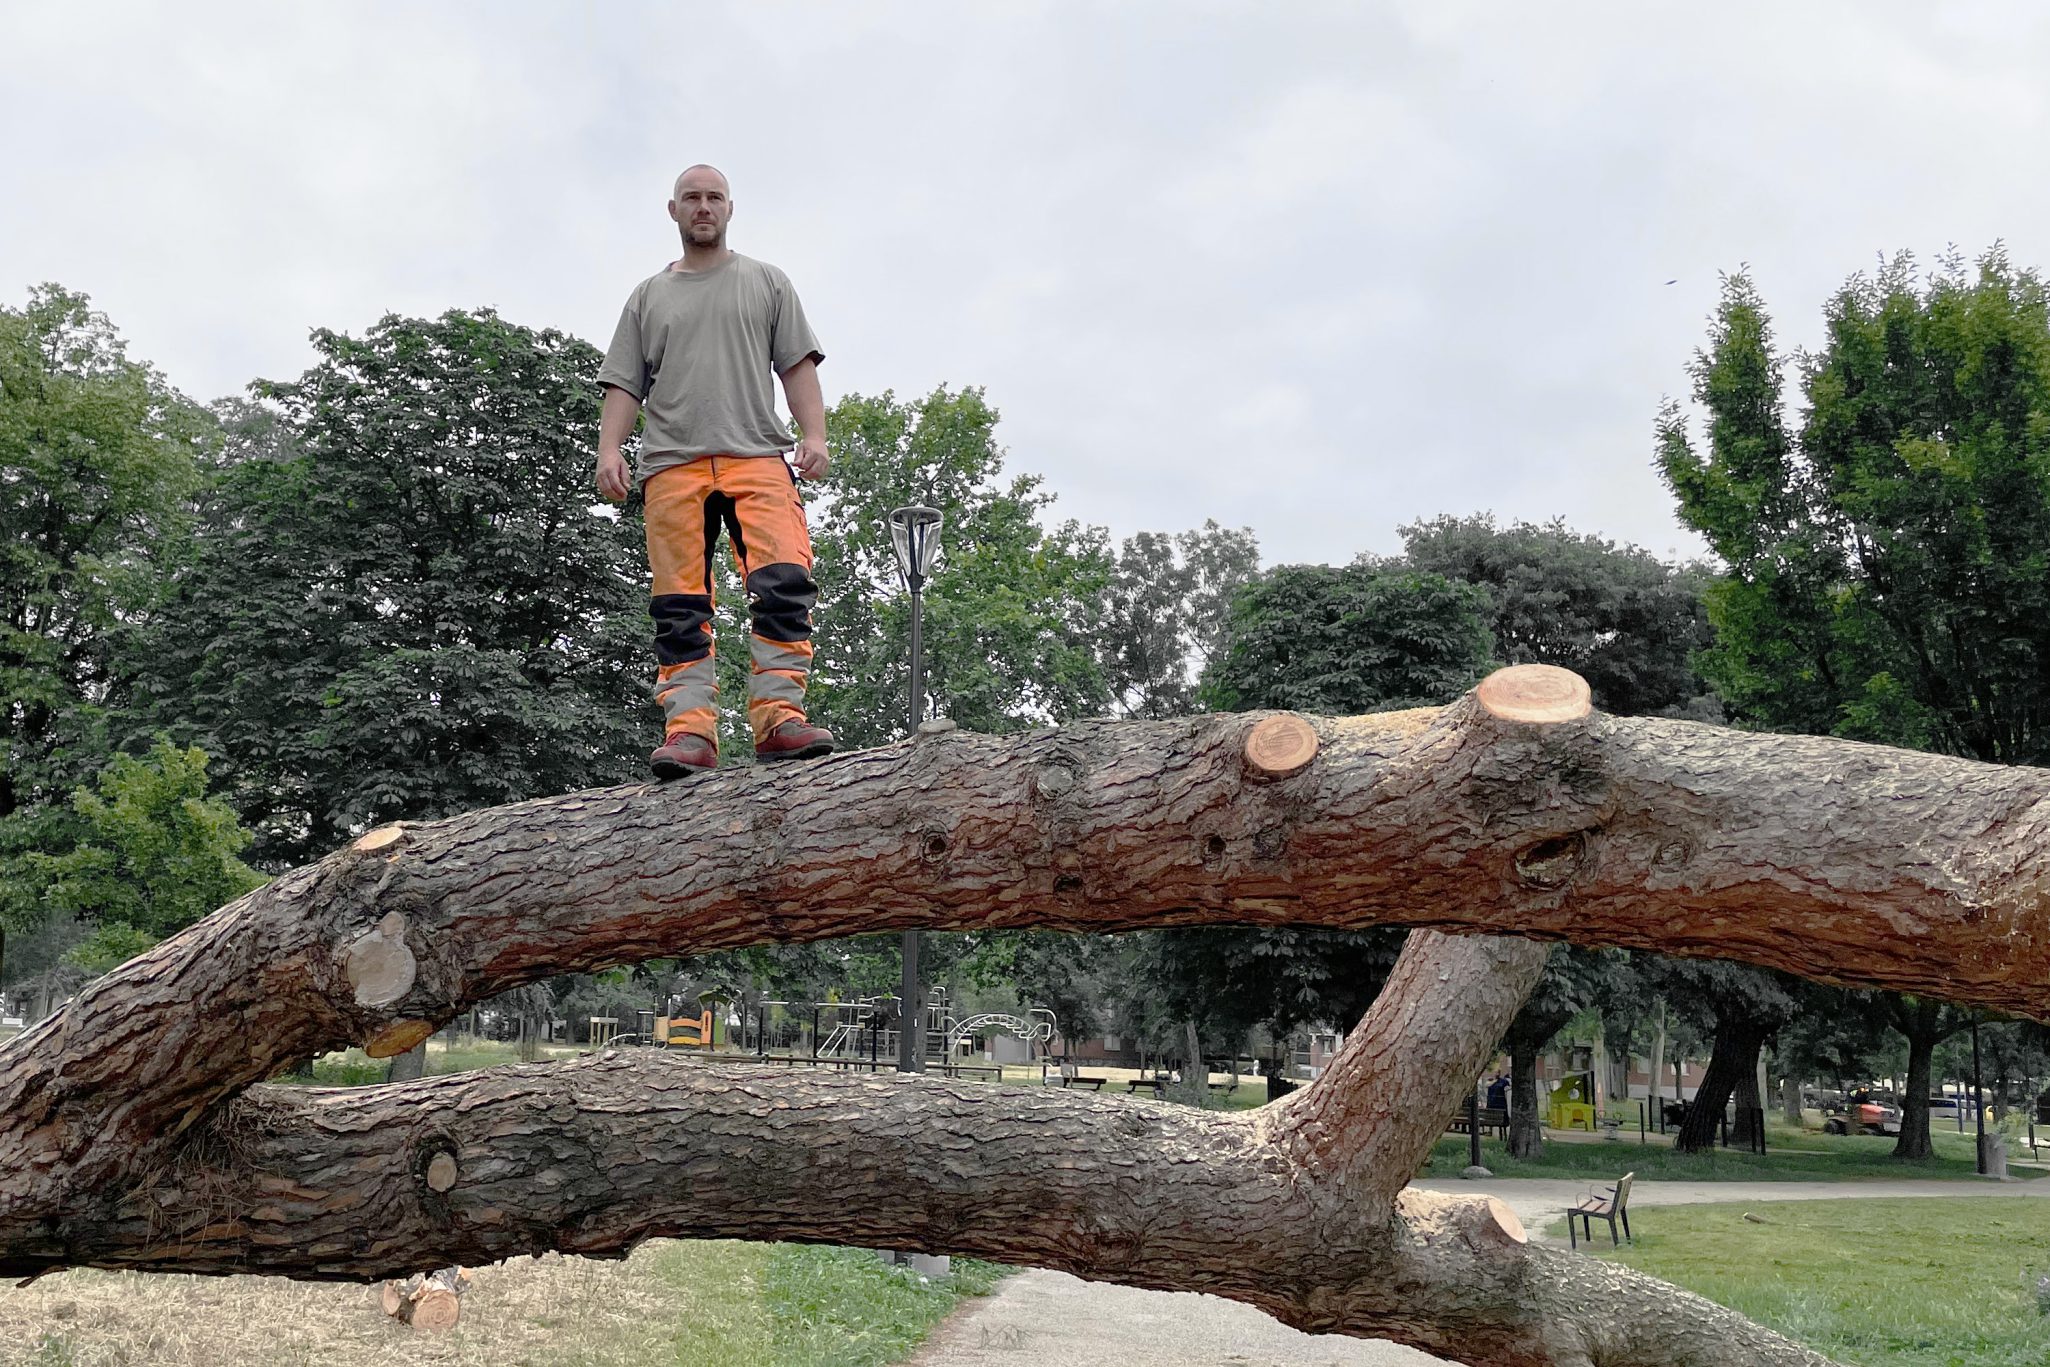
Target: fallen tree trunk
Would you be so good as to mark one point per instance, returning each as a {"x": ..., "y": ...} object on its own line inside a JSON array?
[
  {"x": 1512, "y": 811},
  {"x": 1298, "y": 1208}
]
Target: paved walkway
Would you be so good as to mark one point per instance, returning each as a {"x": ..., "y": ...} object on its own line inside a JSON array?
[{"x": 1050, "y": 1319}]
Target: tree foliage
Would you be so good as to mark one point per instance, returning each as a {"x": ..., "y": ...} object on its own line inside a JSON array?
[
  {"x": 98, "y": 456},
  {"x": 153, "y": 852},
  {"x": 1009, "y": 616},
  {"x": 1886, "y": 558},
  {"x": 1167, "y": 615},
  {"x": 404, "y": 603},
  {"x": 1359, "y": 638},
  {"x": 1618, "y": 616},
  {"x": 1887, "y": 561}
]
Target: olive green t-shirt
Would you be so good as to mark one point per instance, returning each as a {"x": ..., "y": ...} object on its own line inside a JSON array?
[{"x": 700, "y": 350}]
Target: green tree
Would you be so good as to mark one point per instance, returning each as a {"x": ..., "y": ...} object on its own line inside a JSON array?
[
  {"x": 1924, "y": 1024},
  {"x": 1740, "y": 1008},
  {"x": 1009, "y": 618},
  {"x": 1574, "y": 981},
  {"x": 1167, "y": 614},
  {"x": 405, "y": 603},
  {"x": 1618, "y": 616},
  {"x": 1838, "y": 1037},
  {"x": 153, "y": 854},
  {"x": 1888, "y": 564},
  {"x": 1361, "y": 638},
  {"x": 1888, "y": 567},
  {"x": 97, "y": 458}
]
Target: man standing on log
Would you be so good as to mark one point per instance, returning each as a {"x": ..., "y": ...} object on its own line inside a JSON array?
[{"x": 695, "y": 348}]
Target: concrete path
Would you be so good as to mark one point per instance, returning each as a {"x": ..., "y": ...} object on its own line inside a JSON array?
[{"x": 1050, "y": 1319}]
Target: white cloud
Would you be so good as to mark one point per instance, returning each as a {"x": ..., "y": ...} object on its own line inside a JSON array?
[{"x": 1318, "y": 269}]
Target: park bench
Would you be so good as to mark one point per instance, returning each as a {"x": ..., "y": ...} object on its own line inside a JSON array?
[
  {"x": 1093, "y": 1081},
  {"x": 1488, "y": 1118},
  {"x": 1613, "y": 1207},
  {"x": 1158, "y": 1082}
]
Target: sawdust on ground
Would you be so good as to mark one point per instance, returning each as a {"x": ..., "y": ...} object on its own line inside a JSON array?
[{"x": 541, "y": 1311}]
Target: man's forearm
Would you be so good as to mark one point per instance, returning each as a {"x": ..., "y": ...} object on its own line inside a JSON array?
[
  {"x": 807, "y": 403},
  {"x": 616, "y": 423}
]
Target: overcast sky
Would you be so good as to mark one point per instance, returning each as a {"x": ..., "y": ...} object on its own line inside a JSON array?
[{"x": 1317, "y": 270}]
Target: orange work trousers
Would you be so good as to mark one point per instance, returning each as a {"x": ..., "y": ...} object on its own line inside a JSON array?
[{"x": 755, "y": 499}]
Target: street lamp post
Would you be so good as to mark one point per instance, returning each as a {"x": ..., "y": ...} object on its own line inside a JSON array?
[
  {"x": 915, "y": 537},
  {"x": 1978, "y": 1104}
]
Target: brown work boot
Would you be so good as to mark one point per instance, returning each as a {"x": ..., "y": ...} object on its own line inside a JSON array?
[
  {"x": 683, "y": 753},
  {"x": 795, "y": 739}
]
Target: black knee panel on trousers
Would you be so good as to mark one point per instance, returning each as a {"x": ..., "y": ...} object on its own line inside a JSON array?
[
  {"x": 780, "y": 599},
  {"x": 680, "y": 620}
]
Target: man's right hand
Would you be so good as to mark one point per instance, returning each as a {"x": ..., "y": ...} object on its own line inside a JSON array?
[{"x": 613, "y": 479}]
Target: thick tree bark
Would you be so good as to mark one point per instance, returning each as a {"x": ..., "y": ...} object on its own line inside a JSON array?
[
  {"x": 1925, "y": 1024},
  {"x": 1297, "y": 1208},
  {"x": 1732, "y": 1069},
  {"x": 1526, "y": 1122},
  {"x": 1195, "y": 1088},
  {"x": 1503, "y": 813}
]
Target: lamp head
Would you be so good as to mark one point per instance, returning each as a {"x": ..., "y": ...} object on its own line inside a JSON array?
[{"x": 915, "y": 537}]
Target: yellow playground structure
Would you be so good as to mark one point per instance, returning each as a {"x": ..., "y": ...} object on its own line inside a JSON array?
[
  {"x": 686, "y": 1032},
  {"x": 1572, "y": 1103}
]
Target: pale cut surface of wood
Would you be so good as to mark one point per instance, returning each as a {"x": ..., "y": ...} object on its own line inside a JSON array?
[
  {"x": 1535, "y": 693},
  {"x": 1280, "y": 746}
]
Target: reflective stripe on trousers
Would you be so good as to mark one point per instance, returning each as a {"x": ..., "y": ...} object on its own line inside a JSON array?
[{"x": 756, "y": 500}]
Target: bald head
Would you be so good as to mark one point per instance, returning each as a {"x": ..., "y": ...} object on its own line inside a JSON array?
[
  {"x": 701, "y": 205},
  {"x": 700, "y": 173}
]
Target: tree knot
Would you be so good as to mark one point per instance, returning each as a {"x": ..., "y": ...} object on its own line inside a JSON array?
[{"x": 1552, "y": 862}]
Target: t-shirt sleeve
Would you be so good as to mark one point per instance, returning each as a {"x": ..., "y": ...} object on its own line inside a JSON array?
[
  {"x": 790, "y": 335},
  {"x": 626, "y": 364}
]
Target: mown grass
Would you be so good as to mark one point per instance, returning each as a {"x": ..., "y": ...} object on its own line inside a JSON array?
[
  {"x": 1913, "y": 1282},
  {"x": 1791, "y": 1156}
]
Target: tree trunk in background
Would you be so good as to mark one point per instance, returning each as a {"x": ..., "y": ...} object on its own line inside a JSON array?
[
  {"x": 1733, "y": 1065},
  {"x": 1195, "y": 1088},
  {"x": 1914, "y": 1098},
  {"x": 1750, "y": 1098},
  {"x": 409, "y": 1066},
  {"x": 1790, "y": 1101},
  {"x": 1658, "y": 1065},
  {"x": 1526, "y": 1124}
]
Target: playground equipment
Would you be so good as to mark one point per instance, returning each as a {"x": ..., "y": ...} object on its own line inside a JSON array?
[
  {"x": 1036, "y": 1026},
  {"x": 1572, "y": 1103},
  {"x": 684, "y": 1032}
]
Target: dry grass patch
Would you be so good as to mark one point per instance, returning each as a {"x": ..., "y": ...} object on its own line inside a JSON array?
[{"x": 540, "y": 1311}]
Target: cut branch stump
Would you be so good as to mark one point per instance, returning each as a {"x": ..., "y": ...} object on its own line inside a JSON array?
[{"x": 429, "y": 1301}]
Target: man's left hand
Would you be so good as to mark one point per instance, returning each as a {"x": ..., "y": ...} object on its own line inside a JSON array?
[{"x": 810, "y": 459}]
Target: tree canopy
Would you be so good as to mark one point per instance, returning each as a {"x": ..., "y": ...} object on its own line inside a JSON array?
[
  {"x": 1886, "y": 559},
  {"x": 403, "y": 601}
]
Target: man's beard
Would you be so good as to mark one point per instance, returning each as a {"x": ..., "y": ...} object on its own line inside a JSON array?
[{"x": 718, "y": 238}]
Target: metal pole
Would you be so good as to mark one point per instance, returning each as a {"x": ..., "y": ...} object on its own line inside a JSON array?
[
  {"x": 1473, "y": 1126},
  {"x": 1978, "y": 1111},
  {"x": 911, "y": 1032}
]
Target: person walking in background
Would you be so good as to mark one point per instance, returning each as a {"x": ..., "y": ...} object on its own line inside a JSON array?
[{"x": 695, "y": 349}]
